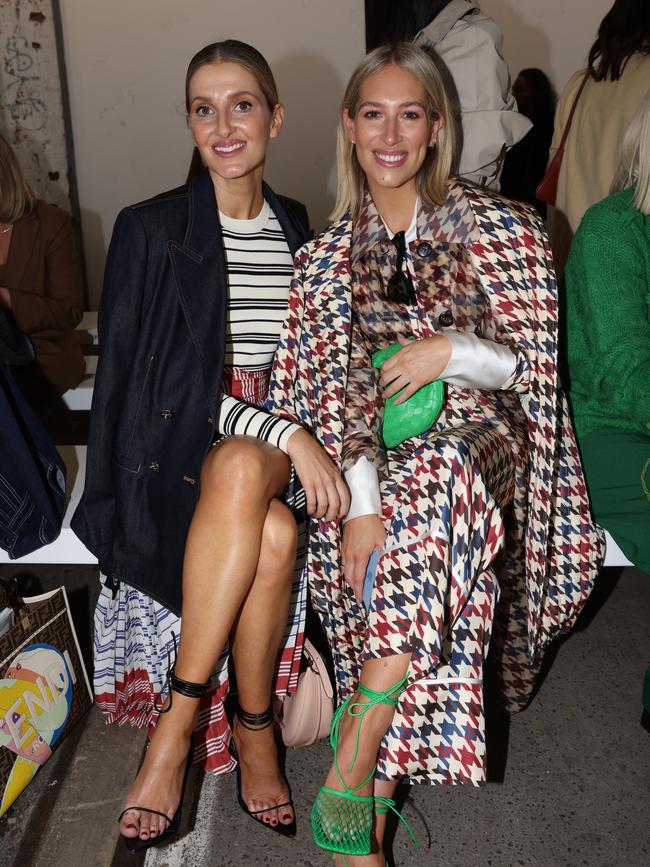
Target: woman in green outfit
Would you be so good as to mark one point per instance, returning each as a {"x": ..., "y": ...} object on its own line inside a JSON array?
[{"x": 608, "y": 319}]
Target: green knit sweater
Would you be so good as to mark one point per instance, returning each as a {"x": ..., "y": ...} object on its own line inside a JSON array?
[{"x": 608, "y": 321}]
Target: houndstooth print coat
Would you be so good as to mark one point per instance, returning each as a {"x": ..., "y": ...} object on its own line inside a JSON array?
[{"x": 545, "y": 575}]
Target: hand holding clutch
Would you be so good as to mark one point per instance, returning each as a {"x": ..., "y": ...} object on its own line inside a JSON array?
[{"x": 416, "y": 414}]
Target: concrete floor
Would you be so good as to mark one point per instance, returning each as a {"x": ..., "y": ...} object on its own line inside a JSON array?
[{"x": 569, "y": 777}]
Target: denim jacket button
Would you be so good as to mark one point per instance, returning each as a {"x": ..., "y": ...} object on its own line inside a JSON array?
[
  {"x": 167, "y": 414},
  {"x": 154, "y": 466}
]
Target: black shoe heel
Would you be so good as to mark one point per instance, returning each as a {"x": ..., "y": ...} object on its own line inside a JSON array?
[{"x": 258, "y": 722}]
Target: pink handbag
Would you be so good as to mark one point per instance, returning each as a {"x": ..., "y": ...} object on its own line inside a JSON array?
[{"x": 306, "y": 715}]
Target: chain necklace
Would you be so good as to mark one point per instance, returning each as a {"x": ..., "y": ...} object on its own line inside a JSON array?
[{"x": 6, "y": 229}]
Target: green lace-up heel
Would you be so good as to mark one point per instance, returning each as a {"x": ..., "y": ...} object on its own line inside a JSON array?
[{"x": 342, "y": 821}]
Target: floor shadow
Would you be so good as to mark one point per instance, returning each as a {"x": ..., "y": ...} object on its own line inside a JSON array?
[
  {"x": 604, "y": 586},
  {"x": 497, "y": 723}
]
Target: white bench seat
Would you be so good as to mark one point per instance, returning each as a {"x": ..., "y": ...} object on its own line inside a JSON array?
[
  {"x": 613, "y": 554},
  {"x": 67, "y": 548},
  {"x": 81, "y": 397}
]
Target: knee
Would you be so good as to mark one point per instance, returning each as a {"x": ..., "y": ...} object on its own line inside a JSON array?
[
  {"x": 279, "y": 538},
  {"x": 238, "y": 466}
]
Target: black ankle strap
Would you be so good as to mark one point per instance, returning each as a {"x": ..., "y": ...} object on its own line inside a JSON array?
[
  {"x": 177, "y": 684},
  {"x": 255, "y": 721},
  {"x": 186, "y": 687},
  {"x": 183, "y": 687}
]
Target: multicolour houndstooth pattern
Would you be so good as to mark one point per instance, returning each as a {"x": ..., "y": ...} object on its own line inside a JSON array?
[{"x": 552, "y": 548}]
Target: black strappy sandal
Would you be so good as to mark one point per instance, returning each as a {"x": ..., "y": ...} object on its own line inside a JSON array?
[
  {"x": 137, "y": 844},
  {"x": 257, "y": 722}
]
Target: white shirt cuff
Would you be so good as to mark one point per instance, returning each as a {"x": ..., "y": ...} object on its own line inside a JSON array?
[
  {"x": 363, "y": 482},
  {"x": 477, "y": 363}
]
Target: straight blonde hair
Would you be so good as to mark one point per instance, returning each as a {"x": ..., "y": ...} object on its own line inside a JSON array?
[
  {"x": 634, "y": 163},
  {"x": 16, "y": 196},
  {"x": 432, "y": 178}
]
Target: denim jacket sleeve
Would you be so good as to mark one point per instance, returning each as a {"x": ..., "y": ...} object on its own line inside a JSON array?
[{"x": 118, "y": 328}]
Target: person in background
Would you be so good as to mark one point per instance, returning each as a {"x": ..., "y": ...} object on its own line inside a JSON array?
[
  {"x": 470, "y": 46},
  {"x": 459, "y": 283},
  {"x": 40, "y": 286},
  {"x": 525, "y": 163},
  {"x": 608, "y": 326},
  {"x": 618, "y": 71}
]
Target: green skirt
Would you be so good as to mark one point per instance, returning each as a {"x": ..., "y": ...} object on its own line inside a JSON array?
[{"x": 617, "y": 468}]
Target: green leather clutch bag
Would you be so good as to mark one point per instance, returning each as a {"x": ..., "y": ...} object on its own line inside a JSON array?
[{"x": 414, "y": 416}]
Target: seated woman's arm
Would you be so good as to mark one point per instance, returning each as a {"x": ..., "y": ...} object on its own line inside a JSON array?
[
  {"x": 237, "y": 418},
  {"x": 477, "y": 362},
  {"x": 463, "y": 359},
  {"x": 60, "y": 305},
  {"x": 364, "y": 458},
  {"x": 326, "y": 493}
]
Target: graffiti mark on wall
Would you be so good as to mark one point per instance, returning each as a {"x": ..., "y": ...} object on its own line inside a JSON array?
[
  {"x": 31, "y": 104},
  {"x": 25, "y": 107}
]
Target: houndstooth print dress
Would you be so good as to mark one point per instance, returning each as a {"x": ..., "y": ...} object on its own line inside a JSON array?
[{"x": 491, "y": 500}]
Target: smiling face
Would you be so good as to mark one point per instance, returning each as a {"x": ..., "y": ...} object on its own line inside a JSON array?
[
  {"x": 391, "y": 129},
  {"x": 230, "y": 121}
]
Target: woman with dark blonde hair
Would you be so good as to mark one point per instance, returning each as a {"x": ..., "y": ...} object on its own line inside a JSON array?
[
  {"x": 191, "y": 492},
  {"x": 40, "y": 285},
  {"x": 450, "y": 510},
  {"x": 616, "y": 81}
]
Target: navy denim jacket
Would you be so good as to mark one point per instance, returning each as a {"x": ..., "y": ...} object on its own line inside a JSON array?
[{"x": 162, "y": 324}]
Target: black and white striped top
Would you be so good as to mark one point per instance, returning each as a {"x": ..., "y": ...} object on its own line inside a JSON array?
[{"x": 260, "y": 268}]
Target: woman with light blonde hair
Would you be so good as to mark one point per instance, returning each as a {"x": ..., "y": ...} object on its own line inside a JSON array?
[
  {"x": 40, "y": 285},
  {"x": 608, "y": 330},
  {"x": 422, "y": 285},
  {"x": 634, "y": 165}
]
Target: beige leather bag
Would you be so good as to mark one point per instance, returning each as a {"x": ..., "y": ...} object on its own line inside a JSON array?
[{"x": 307, "y": 713}]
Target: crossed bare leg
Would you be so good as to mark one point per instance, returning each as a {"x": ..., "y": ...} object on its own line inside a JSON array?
[{"x": 239, "y": 561}]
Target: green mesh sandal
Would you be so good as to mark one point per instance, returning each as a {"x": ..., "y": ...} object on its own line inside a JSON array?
[{"x": 341, "y": 822}]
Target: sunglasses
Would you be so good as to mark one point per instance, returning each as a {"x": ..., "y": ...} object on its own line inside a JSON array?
[{"x": 400, "y": 288}]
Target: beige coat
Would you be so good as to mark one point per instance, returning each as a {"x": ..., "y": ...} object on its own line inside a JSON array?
[
  {"x": 470, "y": 46},
  {"x": 591, "y": 152}
]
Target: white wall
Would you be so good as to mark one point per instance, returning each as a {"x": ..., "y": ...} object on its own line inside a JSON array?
[
  {"x": 553, "y": 35},
  {"x": 126, "y": 62}
]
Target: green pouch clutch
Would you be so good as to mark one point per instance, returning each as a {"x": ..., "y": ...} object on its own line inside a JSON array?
[{"x": 415, "y": 415}]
